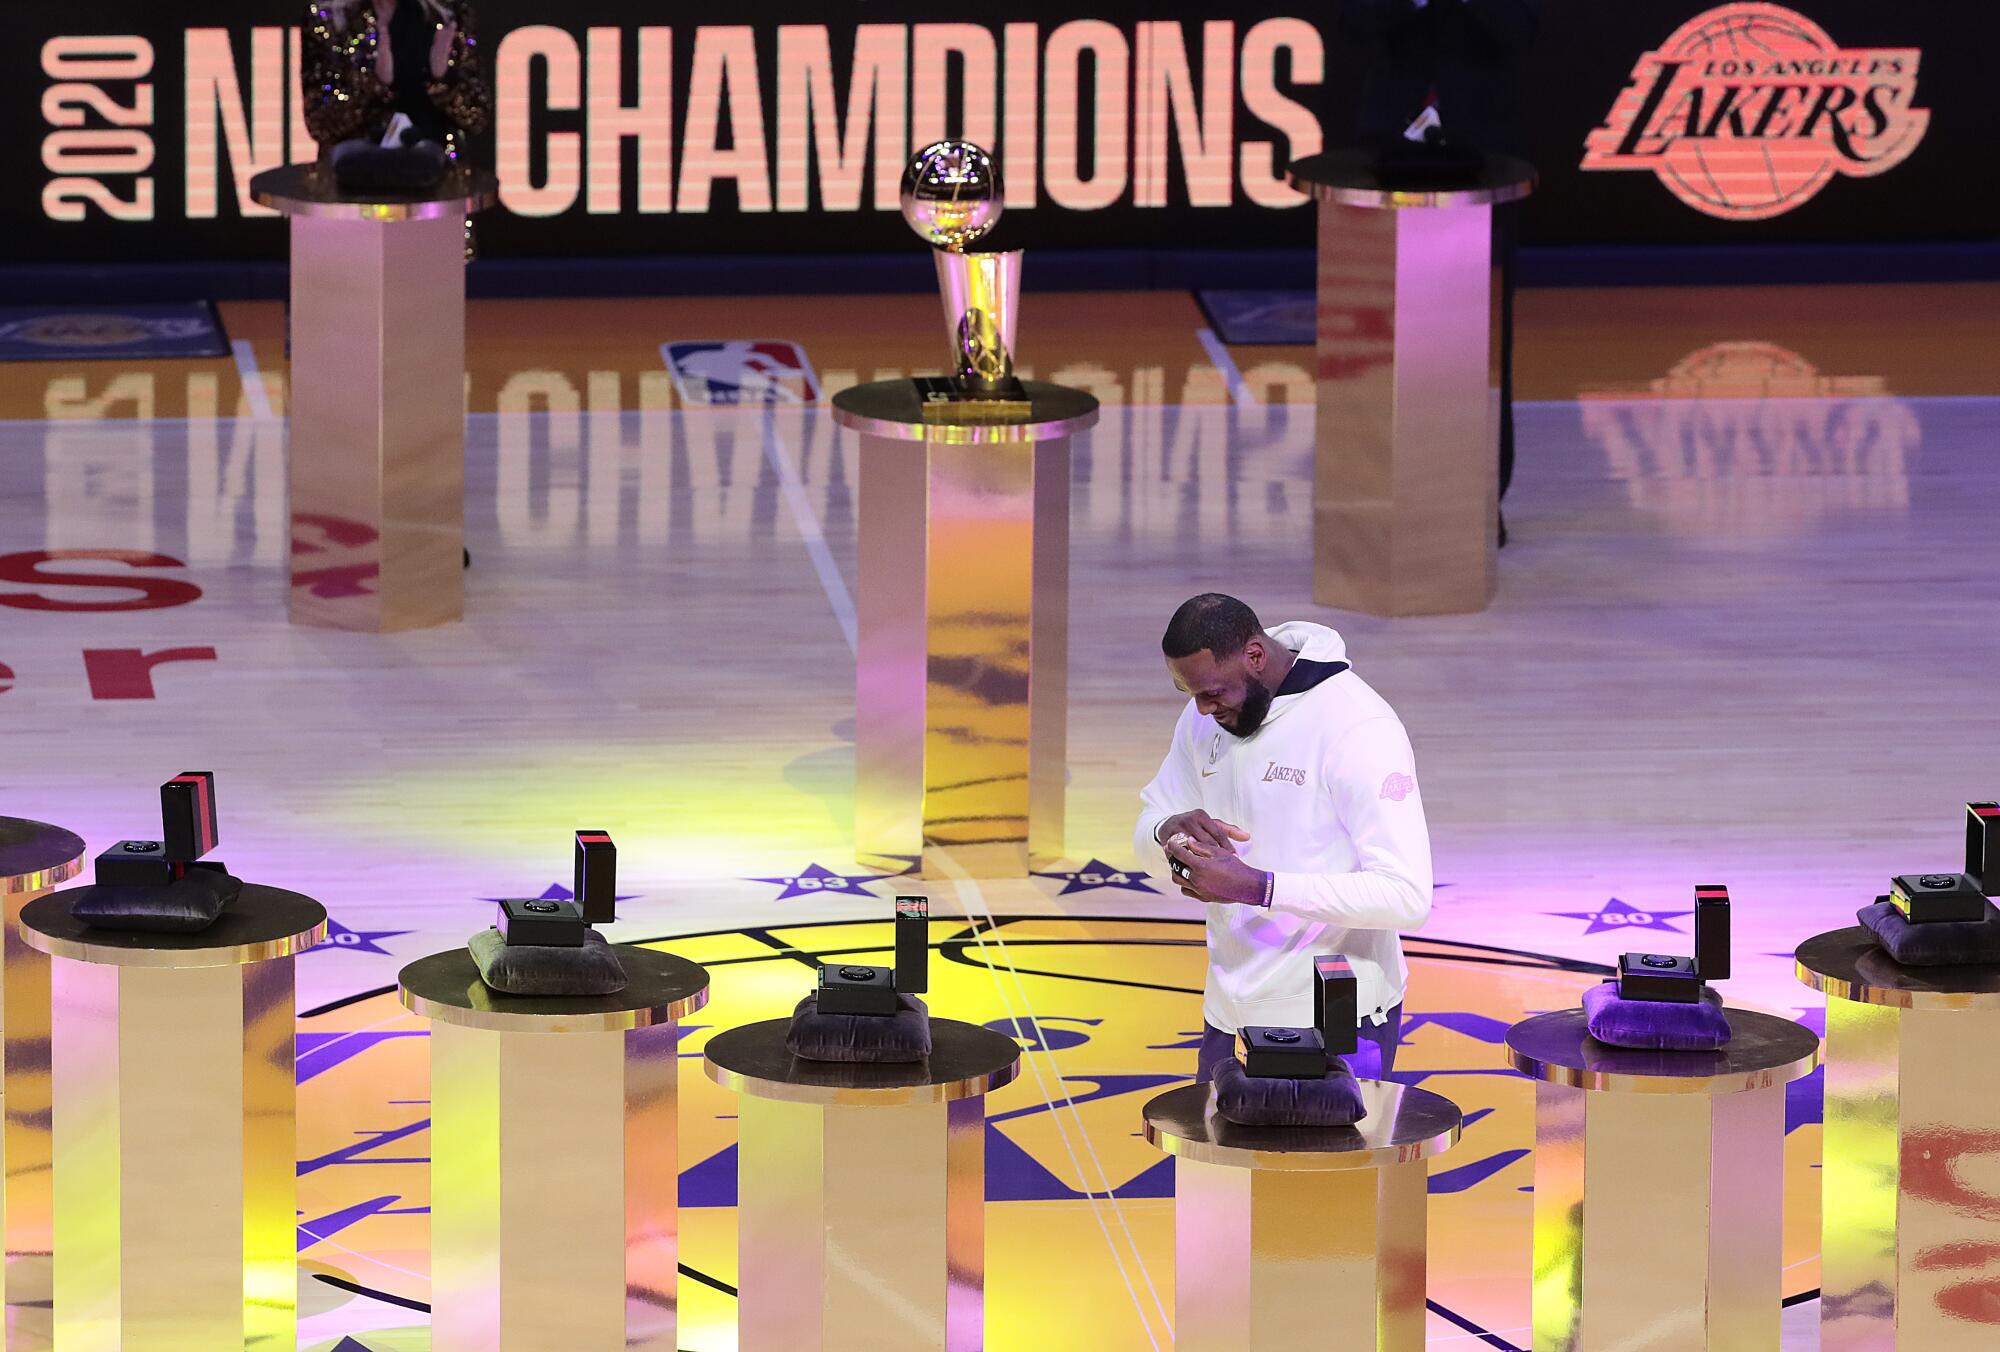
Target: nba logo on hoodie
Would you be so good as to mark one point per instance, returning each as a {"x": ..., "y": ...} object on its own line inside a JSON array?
[{"x": 1397, "y": 787}]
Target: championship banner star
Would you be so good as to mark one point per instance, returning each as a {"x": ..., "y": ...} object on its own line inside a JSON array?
[
  {"x": 1615, "y": 915},
  {"x": 817, "y": 880},
  {"x": 1097, "y": 874}
]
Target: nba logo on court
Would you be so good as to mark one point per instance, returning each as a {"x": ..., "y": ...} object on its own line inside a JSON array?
[{"x": 741, "y": 371}]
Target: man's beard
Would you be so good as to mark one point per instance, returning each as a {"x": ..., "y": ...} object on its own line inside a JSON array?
[{"x": 1250, "y": 716}]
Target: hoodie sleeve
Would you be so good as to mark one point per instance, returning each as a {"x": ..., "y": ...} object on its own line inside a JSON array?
[
  {"x": 1372, "y": 778},
  {"x": 1174, "y": 790}
]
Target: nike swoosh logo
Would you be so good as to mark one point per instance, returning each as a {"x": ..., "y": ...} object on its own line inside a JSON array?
[{"x": 1206, "y": 772}]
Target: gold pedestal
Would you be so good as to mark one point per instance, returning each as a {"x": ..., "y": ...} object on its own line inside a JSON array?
[
  {"x": 377, "y": 458},
  {"x": 861, "y": 1192},
  {"x": 555, "y": 1163},
  {"x": 34, "y": 857},
  {"x": 1406, "y": 473},
  {"x": 1910, "y": 1217},
  {"x": 963, "y": 611},
  {"x": 1295, "y": 1238},
  {"x": 1659, "y": 1186},
  {"x": 175, "y": 1217}
]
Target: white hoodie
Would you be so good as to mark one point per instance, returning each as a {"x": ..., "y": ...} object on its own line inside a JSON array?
[{"x": 1327, "y": 789}]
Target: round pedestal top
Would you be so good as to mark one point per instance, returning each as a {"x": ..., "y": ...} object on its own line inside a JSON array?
[
  {"x": 1763, "y": 1051},
  {"x": 659, "y": 988},
  {"x": 1402, "y": 1124},
  {"x": 965, "y": 1062},
  {"x": 1347, "y": 175},
  {"x": 1847, "y": 964},
  {"x": 261, "y": 924},
  {"x": 310, "y": 190},
  {"x": 35, "y": 856},
  {"x": 891, "y": 408}
]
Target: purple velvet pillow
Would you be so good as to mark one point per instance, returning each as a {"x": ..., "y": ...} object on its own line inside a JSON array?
[
  {"x": 1333, "y": 1100},
  {"x": 902, "y": 1036},
  {"x": 1941, "y": 943},
  {"x": 1655, "y": 1025}
]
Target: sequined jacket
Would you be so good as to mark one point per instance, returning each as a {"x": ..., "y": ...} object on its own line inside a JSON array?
[{"x": 343, "y": 97}]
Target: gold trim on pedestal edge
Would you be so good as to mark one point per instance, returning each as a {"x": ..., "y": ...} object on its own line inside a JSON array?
[
  {"x": 1736, "y": 1082},
  {"x": 1845, "y": 954},
  {"x": 891, "y": 409},
  {"x": 964, "y": 434},
  {"x": 40, "y": 880},
  {"x": 1764, "y": 1051},
  {"x": 283, "y": 189},
  {"x": 1398, "y": 198},
  {"x": 1308, "y": 1161},
  {"x": 890, "y": 1096},
  {"x": 234, "y": 955},
  {"x": 1861, "y": 993},
  {"x": 606, "y": 1021},
  {"x": 1600, "y": 1082}
]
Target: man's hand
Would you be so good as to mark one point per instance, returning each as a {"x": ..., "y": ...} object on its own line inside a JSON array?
[
  {"x": 1213, "y": 875},
  {"x": 1205, "y": 830},
  {"x": 385, "y": 63}
]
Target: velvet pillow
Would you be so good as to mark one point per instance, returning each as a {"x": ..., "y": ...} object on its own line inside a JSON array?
[
  {"x": 187, "y": 905},
  {"x": 1941, "y": 943},
  {"x": 1333, "y": 1100},
  {"x": 544, "y": 969},
  {"x": 1655, "y": 1025},
  {"x": 902, "y": 1036}
]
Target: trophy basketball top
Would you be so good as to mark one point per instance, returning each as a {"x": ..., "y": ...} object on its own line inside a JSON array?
[{"x": 952, "y": 194}]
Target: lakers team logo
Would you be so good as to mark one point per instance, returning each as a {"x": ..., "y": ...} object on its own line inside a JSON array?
[{"x": 1747, "y": 111}]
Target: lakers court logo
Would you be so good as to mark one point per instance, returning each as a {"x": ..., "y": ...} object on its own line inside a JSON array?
[
  {"x": 1747, "y": 111},
  {"x": 1080, "y": 1225}
]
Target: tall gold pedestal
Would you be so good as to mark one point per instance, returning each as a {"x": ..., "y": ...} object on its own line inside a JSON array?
[
  {"x": 1406, "y": 472},
  {"x": 377, "y": 458},
  {"x": 1910, "y": 1218},
  {"x": 555, "y": 1162},
  {"x": 861, "y": 1192},
  {"x": 1295, "y": 1238},
  {"x": 173, "y": 1122},
  {"x": 34, "y": 857},
  {"x": 1659, "y": 1186},
  {"x": 961, "y": 704}
]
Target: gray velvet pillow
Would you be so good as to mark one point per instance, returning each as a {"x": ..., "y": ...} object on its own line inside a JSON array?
[
  {"x": 1938, "y": 943},
  {"x": 902, "y": 1036},
  {"x": 537, "y": 969},
  {"x": 186, "y": 906},
  {"x": 1333, "y": 1100}
]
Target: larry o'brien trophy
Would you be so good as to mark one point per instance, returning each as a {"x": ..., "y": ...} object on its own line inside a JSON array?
[
  {"x": 952, "y": 197},
  {"x": 1673, "y": 980},
  {"x": 962, "y": 580}
]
